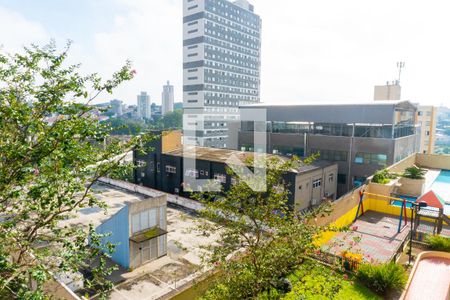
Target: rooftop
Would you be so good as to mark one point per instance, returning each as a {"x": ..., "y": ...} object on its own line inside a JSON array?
[
  {"x": 373, "y": 112},
  {"x": 224, "y": 155},
  {"x": 115, "y": 199}
]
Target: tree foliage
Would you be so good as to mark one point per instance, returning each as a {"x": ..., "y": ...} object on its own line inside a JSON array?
[
  {"x": 261, "y": 239},
  {"x": 50, "y": 158}
]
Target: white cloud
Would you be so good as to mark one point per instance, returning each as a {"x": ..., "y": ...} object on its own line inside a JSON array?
[{"x": 16, "y": 31}]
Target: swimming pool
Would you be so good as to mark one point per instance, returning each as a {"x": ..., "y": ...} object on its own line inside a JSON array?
[
  {"x": 441, "y": 186},
  {"x": 408, "y": 198}
]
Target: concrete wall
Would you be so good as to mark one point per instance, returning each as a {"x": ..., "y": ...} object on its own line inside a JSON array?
[
  {"x": 117, "y": 227},
  {"x": 433, "y": 161},
  {"x": 171, "y": 140}
]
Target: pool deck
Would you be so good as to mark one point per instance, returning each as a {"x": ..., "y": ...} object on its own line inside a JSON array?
[{"x": 377, "y": 234}]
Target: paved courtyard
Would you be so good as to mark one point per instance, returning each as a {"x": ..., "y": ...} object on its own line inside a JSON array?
[{"x": 374, "y": 235}]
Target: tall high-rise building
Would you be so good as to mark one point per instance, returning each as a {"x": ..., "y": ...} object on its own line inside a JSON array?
[
  {"x": 167, "y": 99},
  {"x": 117, "y": 106},
  {"x": 143, "y": 103},
  {"x": 221, "y": 67}
]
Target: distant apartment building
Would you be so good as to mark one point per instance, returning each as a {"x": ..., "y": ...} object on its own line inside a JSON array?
[
  {"x": 390, "y": 91},
  {"x": 164, "y": 169},
  {"x": 221, "y": 66},
  {"x": 361, "y": 138},
  {"x": 167, "y": 99},
  {"x": 144, "y": 106},
  {"x": 117, "y": 107},
  {"x": 426, "y": 118}
]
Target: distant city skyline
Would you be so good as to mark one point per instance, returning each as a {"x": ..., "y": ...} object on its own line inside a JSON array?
[{"x": 315, "y": 51}]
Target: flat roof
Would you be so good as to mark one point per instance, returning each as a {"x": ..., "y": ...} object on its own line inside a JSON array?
[
  {"x": 374, "y": 112},
  {"x": 115, "y": 199},
  {"x": 222, "y": 156}
]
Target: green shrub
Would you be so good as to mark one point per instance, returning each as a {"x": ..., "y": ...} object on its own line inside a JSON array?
[
  {"x": 382, "y": 278},
  {"x": 383, "y": 176},
  {"x": 414, "y": 173},
  {"x": 313, "y": 281},
  {"x": 439, "y": 243}
]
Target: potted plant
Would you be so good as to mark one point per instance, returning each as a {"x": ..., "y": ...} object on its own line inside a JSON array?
[
  {"x": 414, "y": 172},
  {"x": 413, "y": 181}
]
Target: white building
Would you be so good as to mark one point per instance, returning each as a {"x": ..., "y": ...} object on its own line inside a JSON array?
[
  {"x": 143, "y": 103},
  {"x": 167, "y": 99},
  {"x": 221, "y": 66},
  {"x": 117, "y": 107}
]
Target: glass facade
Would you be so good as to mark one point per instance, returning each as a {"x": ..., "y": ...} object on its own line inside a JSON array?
[
  {"x": 371, "y": 158},
  {"x": 385, "y": 131},
  {"x": 331, "y": 155}
]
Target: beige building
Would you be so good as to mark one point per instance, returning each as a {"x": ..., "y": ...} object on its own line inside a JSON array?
[
  {"x": 426, "y": 118},
  {"x": 390, "y": 91},
  {"x": 314, "y": 183}
]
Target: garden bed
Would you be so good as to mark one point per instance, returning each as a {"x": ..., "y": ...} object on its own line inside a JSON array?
[{"x": 313, "y": 280}]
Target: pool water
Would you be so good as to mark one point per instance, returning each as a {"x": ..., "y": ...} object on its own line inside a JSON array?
[
  {"x": 441, "y": 186},
  {"x": 400, "y": 203}
]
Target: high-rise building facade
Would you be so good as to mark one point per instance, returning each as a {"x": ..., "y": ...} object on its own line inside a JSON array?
[
  {"x": 117, "y": 107},
  {"x": 426, "y": 119},
  {"x": 167, "y": 99},
  {"x": 144, "y": 106},
  {"x": 221, "y": 67}
]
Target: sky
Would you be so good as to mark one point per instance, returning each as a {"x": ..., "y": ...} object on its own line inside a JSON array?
[{"x": 322, "y": 50}]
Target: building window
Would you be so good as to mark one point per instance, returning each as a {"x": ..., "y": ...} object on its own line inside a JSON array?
[
  {"x": 317, "y": 183},
  {"x": 420, "y": 113},
  {"x": 162, "y": 217},
  {"x": 371, "y": 158},
  {"x": 342, "y": 178},
  {"x": 158, "y": 167},
  {"x": 359, "y": 181},
  {"x": 192, "y": 7},
  {"x": 222, "y": 178},
  {"x": 427, "y": 133},
  {"x": 331, "y": 177},
  {"x": 171, "y": 169},
  {"x": 331, "y": 155},
  {"x": 143, "y": 220}
]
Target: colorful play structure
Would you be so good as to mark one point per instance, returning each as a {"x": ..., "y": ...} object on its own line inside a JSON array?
[{"x": 429, "y": 207}]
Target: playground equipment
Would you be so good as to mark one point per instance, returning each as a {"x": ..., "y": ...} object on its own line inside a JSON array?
[
  {"x": 429, "y": 205},
  {"x": 390, "y": 198}
]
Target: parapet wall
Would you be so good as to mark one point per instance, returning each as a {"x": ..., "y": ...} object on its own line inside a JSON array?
[{"x": 433, "y": 161}]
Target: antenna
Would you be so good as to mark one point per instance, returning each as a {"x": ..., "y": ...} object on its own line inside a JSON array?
[{"x": 400, "y": 66}]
